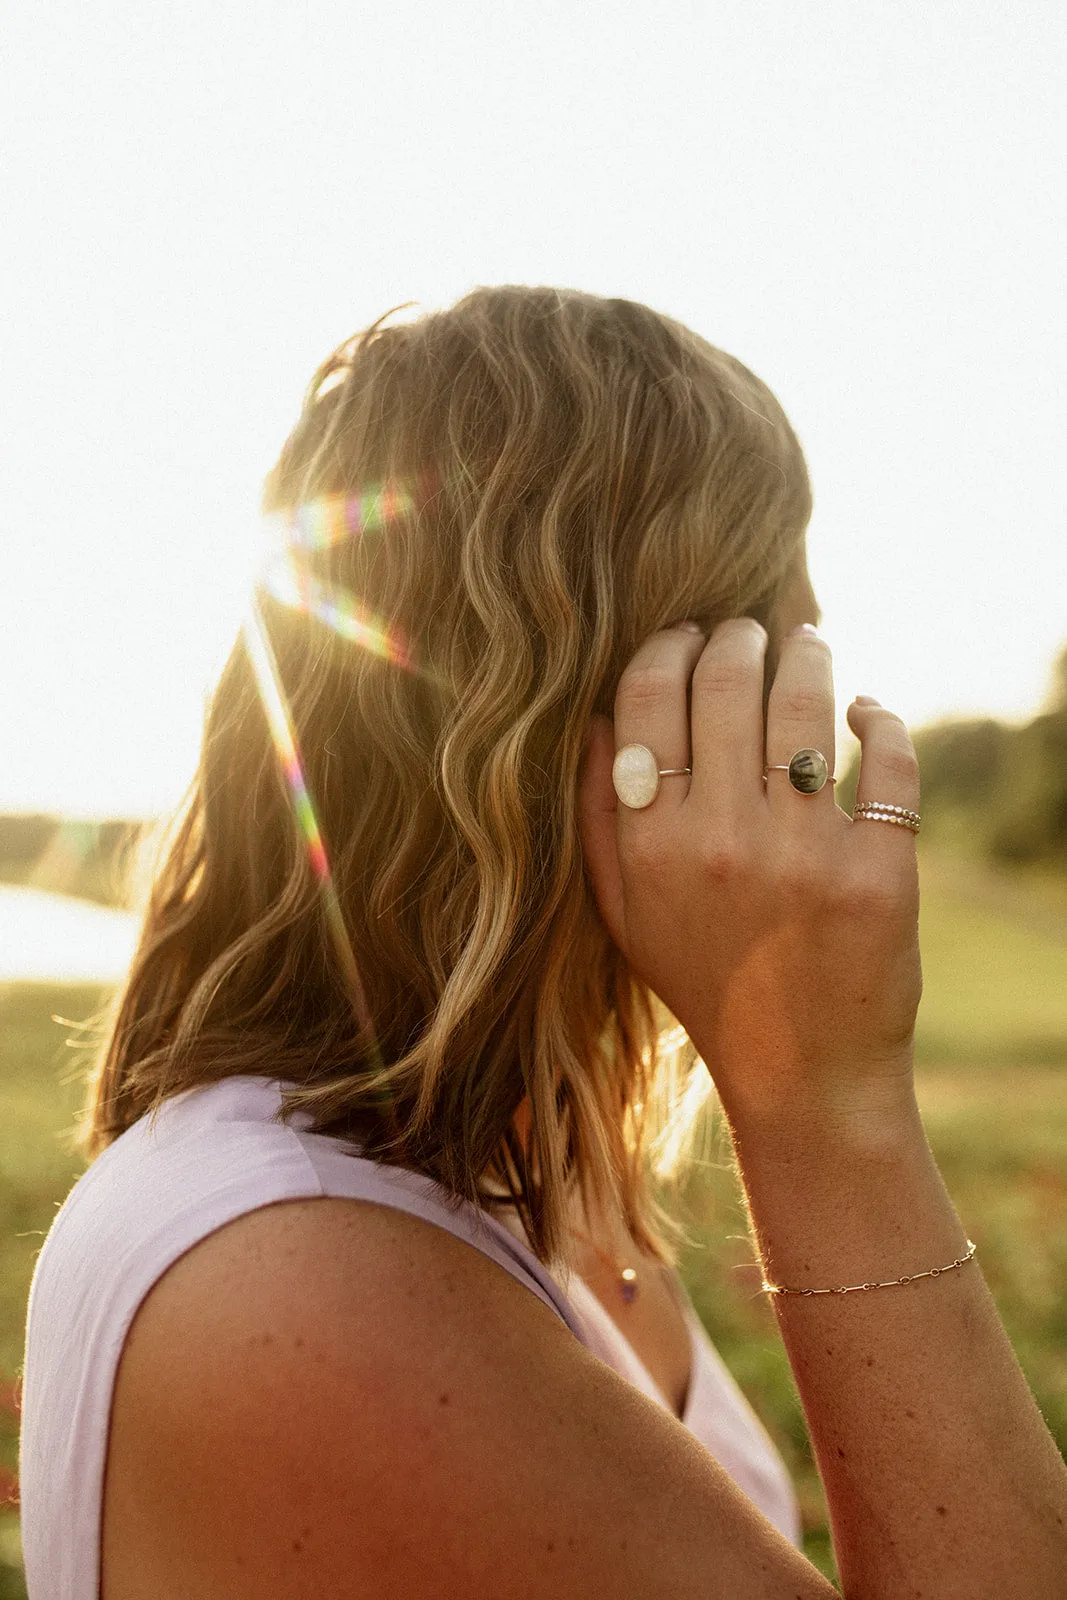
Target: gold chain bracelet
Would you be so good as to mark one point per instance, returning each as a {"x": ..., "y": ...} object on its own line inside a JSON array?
[{"x": 890, "y": 1283}]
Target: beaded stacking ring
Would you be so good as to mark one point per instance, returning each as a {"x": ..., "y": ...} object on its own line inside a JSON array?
[
  {"x": 636, "y": 774},
  {"x": 880, "y": 811},
  {"x": 809, "y": 771}
]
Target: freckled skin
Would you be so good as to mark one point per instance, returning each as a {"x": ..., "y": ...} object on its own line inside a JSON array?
[{"x": 821, "y": 1188}]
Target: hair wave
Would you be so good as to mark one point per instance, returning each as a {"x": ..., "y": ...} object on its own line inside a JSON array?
[{"x": 577, "y": 473}]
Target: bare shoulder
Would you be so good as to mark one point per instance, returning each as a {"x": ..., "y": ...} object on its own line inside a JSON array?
[{"x": 334, "y": 1397}]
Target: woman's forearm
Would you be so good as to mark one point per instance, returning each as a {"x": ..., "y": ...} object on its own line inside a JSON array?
[
  {"x": 940, "y": 1475},
  {"x": 783, "y": 935}
]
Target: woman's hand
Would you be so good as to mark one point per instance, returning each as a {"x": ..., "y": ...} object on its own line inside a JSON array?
[{"x": 779, "y": 932}]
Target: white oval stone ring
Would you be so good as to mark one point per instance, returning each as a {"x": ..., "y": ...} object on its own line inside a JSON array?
[{"x": 636, "y": 774}]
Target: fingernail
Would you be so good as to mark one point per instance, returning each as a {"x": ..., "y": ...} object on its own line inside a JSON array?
[
  {"x": 866, "y": 700},
  {"x": 805, "y": 627},
  {"x": 691, "y": 627}
]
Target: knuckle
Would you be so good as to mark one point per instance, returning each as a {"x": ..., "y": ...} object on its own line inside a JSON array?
[
  {"x": 720, "y": 675},
  {"x": 721, "y": 859},
  {"x": 802, "y": 705},
  {"x": 649, "y": 684},
  {"x": 865, "y": 896}
]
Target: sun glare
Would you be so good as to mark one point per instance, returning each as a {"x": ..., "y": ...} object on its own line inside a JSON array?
[{"x": 316, "y": 525}]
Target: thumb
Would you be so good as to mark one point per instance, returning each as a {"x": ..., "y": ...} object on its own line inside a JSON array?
[{"x": 597, "y": 807}]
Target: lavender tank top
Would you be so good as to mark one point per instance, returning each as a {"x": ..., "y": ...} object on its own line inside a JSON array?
[{"x": 211, "y": 1155}]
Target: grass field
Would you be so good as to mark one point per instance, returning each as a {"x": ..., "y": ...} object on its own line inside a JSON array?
[{"x": 993, "y": 1086}]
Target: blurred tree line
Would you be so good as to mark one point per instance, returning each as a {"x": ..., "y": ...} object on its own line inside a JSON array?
[
  {"x": 995, "y": 790},
  {"x": 68, "y": 856},
  {"x": 989, "y": 789}
]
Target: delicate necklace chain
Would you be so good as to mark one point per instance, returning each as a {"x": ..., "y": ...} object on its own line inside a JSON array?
[{"x": 627, "y": 1284}]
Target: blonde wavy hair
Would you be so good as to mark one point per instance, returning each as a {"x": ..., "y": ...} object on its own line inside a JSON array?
[{"x": 575, "y": 473}]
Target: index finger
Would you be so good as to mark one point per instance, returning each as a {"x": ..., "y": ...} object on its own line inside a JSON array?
[{"x": 727, "y": 718}]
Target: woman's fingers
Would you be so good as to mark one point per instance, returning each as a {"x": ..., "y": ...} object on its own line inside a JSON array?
[
  {"x": 889, "y": 768},
  {"x": 800, "y": 716},
  {"x": 728, "y": 721},
  {"x": 651, "y": 709},
  {"x": 763, "y": 919}
]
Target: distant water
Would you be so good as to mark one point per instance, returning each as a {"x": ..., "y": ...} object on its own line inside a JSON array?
[{"x": 55, "y": 937}]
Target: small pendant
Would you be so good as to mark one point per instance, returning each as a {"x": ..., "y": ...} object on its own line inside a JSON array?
[{"x": 628, "y": 1285}]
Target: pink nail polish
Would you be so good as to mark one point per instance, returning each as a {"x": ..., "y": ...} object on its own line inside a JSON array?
[
  {"x": 805, "y": 628},
  {"x": 691, "y": 627}
]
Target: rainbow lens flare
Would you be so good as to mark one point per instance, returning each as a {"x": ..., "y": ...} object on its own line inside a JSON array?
[
  {"x": 279, "y": 720},
  {"x": 317, "y": 524},
  {"x": 287, "y": 581}
]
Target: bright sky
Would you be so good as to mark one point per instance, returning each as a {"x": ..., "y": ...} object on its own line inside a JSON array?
[{"x": 864, "y": 203}]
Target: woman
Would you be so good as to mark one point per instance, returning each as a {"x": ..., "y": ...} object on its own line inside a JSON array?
[{"x": 366, "y": 1291}]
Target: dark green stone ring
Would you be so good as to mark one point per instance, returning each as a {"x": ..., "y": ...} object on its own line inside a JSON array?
[{"x": 808, "y": 771}]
